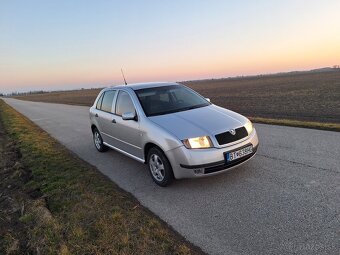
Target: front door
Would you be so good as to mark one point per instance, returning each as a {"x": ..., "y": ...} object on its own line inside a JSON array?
[{"x": 126, "y": 132}]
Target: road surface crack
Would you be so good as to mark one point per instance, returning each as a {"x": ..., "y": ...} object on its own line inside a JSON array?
[{"x": 299, "y": 163}]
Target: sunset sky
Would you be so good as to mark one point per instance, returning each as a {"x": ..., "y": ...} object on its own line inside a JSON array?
[{"x": 72, "y": 44}]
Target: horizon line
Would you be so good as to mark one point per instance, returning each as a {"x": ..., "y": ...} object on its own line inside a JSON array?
[{"x": 321, "y": 69}]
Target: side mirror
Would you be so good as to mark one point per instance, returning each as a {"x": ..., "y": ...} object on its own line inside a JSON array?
[
  {"x": 129, "y": 116},
  {"x": 208, "y": 99}
]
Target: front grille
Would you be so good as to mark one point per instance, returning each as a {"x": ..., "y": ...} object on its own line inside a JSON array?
[{"x": 227, "y": 137}]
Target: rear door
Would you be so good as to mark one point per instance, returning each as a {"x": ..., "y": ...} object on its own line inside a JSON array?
[{"x": 106, "y": 117}]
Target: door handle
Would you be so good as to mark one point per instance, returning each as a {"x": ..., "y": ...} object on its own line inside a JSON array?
[
  {"x": 114, "y": 121},
  {"x": 96, "y": 115}
]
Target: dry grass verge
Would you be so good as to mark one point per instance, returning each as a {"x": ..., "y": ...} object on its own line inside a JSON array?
[
  {"x": 298, "y": 123},
  {"x": 65, "y": 206}
]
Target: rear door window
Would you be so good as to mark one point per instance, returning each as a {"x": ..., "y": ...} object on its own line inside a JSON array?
[
  {"x": 108, "y": 101},
  {"x": 99, "y": 102}
]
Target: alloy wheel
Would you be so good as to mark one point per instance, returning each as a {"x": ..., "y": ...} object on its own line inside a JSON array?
[
  {"x": 97, "y": 140},
  {"x": 157, "y": 167}
]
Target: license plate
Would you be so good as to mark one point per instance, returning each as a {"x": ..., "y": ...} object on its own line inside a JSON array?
[{"x": 230, "y": 156}]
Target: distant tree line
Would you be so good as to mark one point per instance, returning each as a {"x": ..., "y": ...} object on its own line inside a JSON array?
[
  {"x": 15, "y": 93},
  {"x": 336, "y": 66}
]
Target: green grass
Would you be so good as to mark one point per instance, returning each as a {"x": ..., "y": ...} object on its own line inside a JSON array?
[
  {"x": 298, "y": 123},
  {"x": 80, "y": 210}
]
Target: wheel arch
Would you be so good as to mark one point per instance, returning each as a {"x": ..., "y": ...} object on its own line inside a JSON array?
[
  {"x": 93, "y": 127},
  {"x": 147, "y": 148}
]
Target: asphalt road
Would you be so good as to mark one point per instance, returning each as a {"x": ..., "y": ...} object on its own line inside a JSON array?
[{"x": 284, "y": 201}]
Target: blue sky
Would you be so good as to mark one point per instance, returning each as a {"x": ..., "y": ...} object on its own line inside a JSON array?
[{"x": 70, "y": 44}]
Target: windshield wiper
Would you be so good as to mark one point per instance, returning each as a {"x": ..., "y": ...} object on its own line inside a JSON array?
[
  {"x": 177, "y": 110},
  {"x": 193, "y": 107}
]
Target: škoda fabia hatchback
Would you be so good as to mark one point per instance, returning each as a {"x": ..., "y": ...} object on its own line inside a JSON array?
[{"x": 171, "y": 128}]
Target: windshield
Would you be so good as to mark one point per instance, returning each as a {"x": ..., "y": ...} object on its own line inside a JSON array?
[{"x": 169, "y": 99}]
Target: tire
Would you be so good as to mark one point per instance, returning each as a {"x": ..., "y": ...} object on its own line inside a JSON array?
[
  {"x": 98, "y": 141},
  {"x": 159, "y": 167}
]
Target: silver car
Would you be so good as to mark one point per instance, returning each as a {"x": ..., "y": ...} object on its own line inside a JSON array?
[{"x": 171, "y": 128}]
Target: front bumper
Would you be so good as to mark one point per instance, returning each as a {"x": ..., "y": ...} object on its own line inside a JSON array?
[{"x": 189, "y": 163}]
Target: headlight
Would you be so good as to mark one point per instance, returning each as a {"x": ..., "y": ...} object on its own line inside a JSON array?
[
  {"x": 249, "y": 127},
  {"x": 198, "y": 142}
]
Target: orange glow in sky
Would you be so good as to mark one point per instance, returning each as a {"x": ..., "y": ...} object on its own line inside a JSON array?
[{"x": 71, "y": 44}]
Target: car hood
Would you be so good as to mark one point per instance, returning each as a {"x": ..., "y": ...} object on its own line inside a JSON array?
[{"x": 209, "y": 120}]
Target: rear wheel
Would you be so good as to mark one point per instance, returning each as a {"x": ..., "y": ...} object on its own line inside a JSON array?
[
  {"x": 98, "y": 141},
  {"x": 159, "y": 167}
]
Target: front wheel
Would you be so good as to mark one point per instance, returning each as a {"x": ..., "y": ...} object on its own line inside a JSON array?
[
  {"x": 159, "y": 167},
  {"x": 98, "y": 141}
]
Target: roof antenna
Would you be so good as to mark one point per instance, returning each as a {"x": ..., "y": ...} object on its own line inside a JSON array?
[{"x": 123, "y": 76}]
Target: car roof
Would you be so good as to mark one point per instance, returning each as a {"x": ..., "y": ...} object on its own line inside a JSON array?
[{"x": 136, "y": 86}]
